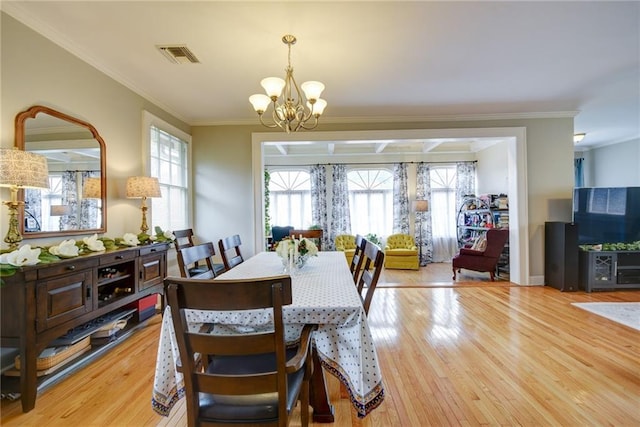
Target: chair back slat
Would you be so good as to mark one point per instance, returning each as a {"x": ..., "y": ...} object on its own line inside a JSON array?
[
  {"x": 183, "y": 238},
  {"x": 196, "y": 261},
  {"x": 372, "y": 267},
  {"x": 230, "y": 251},
  {"x": 316, "y": 235},
  {"x": 356, "y": 262},
  {"x": 236, "y": 385}
]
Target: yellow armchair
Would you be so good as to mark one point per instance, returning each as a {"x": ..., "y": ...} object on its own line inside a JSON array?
[
  {"x": 401, "y": 253},
  {"x": 347, "y": 244}
]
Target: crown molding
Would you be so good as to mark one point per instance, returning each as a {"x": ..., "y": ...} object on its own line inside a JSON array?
[{"x": 407, "y": 119}]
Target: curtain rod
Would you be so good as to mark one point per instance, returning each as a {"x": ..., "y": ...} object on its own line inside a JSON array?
[{"x": 377, "y": 163}]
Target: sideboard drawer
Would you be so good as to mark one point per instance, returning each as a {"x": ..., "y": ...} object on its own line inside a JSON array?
[
  {"x": 66, "y": 267},
  {"x": 110, "y": 258}
]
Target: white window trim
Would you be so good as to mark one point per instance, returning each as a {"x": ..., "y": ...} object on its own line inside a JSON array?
[{"x": 148, "y": 120}]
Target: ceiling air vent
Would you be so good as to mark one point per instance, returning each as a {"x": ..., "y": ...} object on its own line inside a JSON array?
[{"x": 178, "y": 54}]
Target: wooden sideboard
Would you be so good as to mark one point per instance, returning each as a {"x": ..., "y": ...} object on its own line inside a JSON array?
[{"x": 44, "y": 302}]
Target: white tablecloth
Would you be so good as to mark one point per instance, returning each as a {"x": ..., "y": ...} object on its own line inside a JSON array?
[{"x": 323, "y": 294}]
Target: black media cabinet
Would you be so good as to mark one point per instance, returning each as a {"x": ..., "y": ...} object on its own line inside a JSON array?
[{"x": 609, "y": 270}]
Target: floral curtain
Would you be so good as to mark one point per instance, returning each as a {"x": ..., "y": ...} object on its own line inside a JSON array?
[
  {"x": 318, "y": 178},
  {"x": 423, "y": 219},
  {"x": 400, "y": 199},
  {"x": 466, "y": 175},
  {"x": 70, "y": 198},
  {"x": 90, "y": 212},
  {"x": 340, "y": 214}
]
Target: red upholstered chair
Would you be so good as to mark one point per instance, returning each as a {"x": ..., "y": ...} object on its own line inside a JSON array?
[{"x": 482, "y": 260}]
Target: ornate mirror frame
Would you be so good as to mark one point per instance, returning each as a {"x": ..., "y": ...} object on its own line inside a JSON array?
[{"x": 20, "y": 143}]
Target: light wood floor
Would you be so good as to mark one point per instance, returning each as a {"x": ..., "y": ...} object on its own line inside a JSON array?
[{"x": 474, "y": 353}]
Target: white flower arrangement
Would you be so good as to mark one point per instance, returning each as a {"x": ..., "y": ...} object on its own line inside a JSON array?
[
  {"x": 296, "y": 251},
  {"x": 22, "y": 256},
  {"x": 94, "y": 244},
  {"x": 10, "y": 262},
  {"x": 66, "y": 249},
  {"x": 130, "y": 239}
]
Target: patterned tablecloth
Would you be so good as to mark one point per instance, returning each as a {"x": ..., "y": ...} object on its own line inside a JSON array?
[{"x": 323, "y": 294}]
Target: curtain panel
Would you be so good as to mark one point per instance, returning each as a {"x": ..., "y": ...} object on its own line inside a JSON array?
[
  {"x": 318, "y": 176},
  {"x": 423, "y": 219},
  {"x": 340, "y": 213},
  {"x": 400, "y": 199}
]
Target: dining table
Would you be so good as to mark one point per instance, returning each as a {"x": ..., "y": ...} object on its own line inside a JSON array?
[{"x": 323, "y": 294}]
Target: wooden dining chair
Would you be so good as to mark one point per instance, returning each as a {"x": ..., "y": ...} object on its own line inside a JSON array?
[
  {"x": 356, "y": 261},
  {"x": 184, "y": 238},
  {"x": 277, "y": 234},
  {"x": 196, "y": 261},
  {"x": 315, "y": 234},
  {"x": 371, "y": 267},
  {"x": 249, "y": 378},
  {"x": 230, "y": 251}
]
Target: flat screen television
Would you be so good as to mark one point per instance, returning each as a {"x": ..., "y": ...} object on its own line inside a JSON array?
[{"x": 607, "y": 214}]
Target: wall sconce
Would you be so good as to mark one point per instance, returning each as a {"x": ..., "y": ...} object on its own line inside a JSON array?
[
  {"x": 142, "y": 187},
  {"x": 420, "y": 206},
  {"x": 92, "y": 188},
  {"x": 20, "y": 169}
]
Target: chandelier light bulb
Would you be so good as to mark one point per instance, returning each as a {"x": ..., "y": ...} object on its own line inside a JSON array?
[
  {"x": 312, "y": 89},
  {"x": 273, "y": 86},
  {"x": 260, "y": 102},
  {"x": 318, "y": 107}
]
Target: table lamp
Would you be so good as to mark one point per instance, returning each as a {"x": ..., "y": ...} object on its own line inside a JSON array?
[
  {"x": 20, "y": 169},
  {"x": 141, "y": 187},
  {"x": 420, "y": 206}
]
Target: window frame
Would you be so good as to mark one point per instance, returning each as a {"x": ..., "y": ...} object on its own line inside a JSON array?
[
  {"x": 368, "y": 192},
  {"x": 289, "y": 193},
  {"x": 149, "y": 120}
]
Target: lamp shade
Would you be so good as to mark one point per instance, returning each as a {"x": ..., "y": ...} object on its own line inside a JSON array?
[
  {"x": 143, "y": 186},
  {"x": 60, "y": 210},
  {"x": 273, "y": 86},
  {"x": 260, "y": 102},
  {"x": 421, "y": 205},
  {"x": 312, "y": 89},
  {"x": 23, "y": 169},
  {"x": 92, "y": 188}
]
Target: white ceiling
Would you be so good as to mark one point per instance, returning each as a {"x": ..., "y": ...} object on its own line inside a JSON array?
[{"x": 380, "y": 61}]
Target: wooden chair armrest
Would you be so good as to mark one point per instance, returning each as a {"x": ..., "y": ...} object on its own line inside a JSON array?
[
  {"x": 296, "y": 362},
  {"x": 465, "y": 251}
]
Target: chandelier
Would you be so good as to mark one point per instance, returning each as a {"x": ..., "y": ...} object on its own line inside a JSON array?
[{"x": 291, "y": 112}]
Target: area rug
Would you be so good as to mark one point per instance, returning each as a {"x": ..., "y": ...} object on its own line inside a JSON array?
[{"x": 627, "y": 313}]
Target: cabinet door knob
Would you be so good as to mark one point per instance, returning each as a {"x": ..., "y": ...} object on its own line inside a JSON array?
[
  {"x": 119, "y": 257},
  {"x": 71, "y": 267}
]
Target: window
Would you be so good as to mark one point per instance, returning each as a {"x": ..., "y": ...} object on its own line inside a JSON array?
[
  {"x": 443, "y": 201},
  {"x": 169, "y": 161},
  {"x": 371, "y": 201},
  {"x": 290, "y": 198}
]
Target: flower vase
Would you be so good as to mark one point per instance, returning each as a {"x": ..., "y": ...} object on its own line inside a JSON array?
[
  {"x": 286, "y": 265},
  {"x": 302, "y": 260}
]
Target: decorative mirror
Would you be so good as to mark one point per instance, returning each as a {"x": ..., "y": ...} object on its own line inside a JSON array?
[{"x": 75, "y": 202}]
